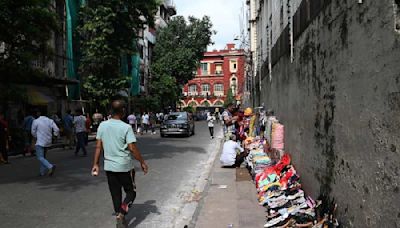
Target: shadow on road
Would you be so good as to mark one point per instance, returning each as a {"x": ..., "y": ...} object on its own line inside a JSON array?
[
  {"x": 73, "y": 173},
  {"x": 138, "y": 212}
]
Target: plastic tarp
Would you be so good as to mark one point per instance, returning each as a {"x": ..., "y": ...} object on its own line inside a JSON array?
[
  {"x": 72, "y": 11},
  {"x": 135, "y": 74}
]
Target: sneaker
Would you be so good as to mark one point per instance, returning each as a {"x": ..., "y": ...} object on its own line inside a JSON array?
[
  {"x": 121, "y": 222},
  {"x": 52, "y": 170}
]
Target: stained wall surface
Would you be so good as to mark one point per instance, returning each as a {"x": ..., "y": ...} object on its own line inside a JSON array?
[{"x": 340, "y": 103}]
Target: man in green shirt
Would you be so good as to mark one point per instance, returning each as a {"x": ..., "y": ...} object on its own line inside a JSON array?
[{"x": 117, "y": 140}]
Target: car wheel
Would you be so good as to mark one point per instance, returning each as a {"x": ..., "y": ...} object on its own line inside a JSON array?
[{"x": 162, "y": 135}]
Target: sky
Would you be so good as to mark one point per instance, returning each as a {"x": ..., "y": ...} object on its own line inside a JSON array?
[{"x": 224, "y": 15}]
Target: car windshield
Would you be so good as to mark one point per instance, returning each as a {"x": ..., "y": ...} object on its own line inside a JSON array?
[{"x": 177, "y": 116}]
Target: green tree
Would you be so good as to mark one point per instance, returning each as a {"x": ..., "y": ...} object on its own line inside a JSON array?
[
  {"x": 177, "y": 54},
  {"x": 229, "y": 98},
  {"x": 108, "y": 30},
  {"x": 26, "y": 28}
]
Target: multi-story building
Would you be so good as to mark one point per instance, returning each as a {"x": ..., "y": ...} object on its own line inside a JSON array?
[
  {"x": 146, "y": 45},
  {"x": 219, "y": 72}
]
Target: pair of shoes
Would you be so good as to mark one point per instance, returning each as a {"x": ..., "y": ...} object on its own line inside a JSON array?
[
  {"x": 121, "y": 221},
  {"x": 52, "y": 170}
]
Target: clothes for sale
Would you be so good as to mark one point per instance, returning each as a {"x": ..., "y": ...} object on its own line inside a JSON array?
[
  {"x": 277, "y": 136},
  {"x": 268, "y": 128}
]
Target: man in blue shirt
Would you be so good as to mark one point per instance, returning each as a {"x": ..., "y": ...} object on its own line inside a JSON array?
[
  {"x": 27, "y": 127},
  {"x": 117, "y": 140},
  {"x": 68, "y": 129}
]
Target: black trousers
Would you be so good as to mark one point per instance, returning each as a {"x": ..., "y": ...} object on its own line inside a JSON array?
[
  {"x": 117, "y": 181},
  {"x": 211, "y": 131},
  {"x": 238, "y": 161},
  {"x": 81, "y": 138}
]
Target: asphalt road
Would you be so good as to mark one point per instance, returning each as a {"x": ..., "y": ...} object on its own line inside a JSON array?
[{"x": 73, "y": 198}]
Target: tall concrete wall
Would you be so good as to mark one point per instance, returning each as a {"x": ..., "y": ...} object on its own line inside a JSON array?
[{"x": 340, "y": 103}]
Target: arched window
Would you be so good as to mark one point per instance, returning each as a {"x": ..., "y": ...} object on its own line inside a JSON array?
[{"x": 234, "y": 84}]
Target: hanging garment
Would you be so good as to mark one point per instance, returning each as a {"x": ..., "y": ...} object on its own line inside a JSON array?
[{"x": 278, "y": 133}]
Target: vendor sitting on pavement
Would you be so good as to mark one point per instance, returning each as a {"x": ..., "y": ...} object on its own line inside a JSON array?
[{"x": 230, "y": 158}]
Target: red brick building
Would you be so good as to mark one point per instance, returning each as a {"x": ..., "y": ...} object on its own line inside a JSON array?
[{"x": 219, "y": 72}]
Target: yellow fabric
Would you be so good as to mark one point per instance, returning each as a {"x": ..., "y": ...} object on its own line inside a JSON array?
[
  {"x": 252, "y": 126},
  {"x": 248, "y": 112},
  {"x": 266, "y": 187}
]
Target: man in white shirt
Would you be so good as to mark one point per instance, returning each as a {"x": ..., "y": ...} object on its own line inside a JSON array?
[
  {"x": 80, "y": 131},
  {"x": 229, "y": 157},
  {"x": 210, "y": 123},
  {"x": 43, "y": 129},
  {"x": 132, "y": 121},
  {"x": 146, "y": 121}
]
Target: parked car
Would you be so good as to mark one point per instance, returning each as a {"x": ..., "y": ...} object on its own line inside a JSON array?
[{"x": 178, "y": 123}]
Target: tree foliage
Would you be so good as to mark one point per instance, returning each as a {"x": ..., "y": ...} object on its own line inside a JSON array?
[
  {"x": 177, "y": 54},
  {"x": 108, "y": 30},
  {"x": 26, "y": 28},
  {"x": 230, "y": 99}
]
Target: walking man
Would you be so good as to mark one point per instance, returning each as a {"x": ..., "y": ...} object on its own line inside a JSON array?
[
  {"x": 132, "y": 121},
  {"x": 145, "y": 122},
  {"x": 27, "y": 126},
  {"x": 117, "y": 140},
  {"x": 80, "y": 131},
  {"x": 68, "y": 128},
  {"x": 210, "y": 123},
  {"x": 43, "y": 129}
]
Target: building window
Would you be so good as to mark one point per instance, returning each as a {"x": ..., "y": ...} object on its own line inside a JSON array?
[
  {"x": 192, "y": 88},
  {"x": 205, "y": 88},
  {"x": 218, "y": 69},
  {"x": 204, "y": 68},
  {"x": 218, "y": 88},
  {"x": 233, "y": 65},
  {"x": 234, "y": 85}
]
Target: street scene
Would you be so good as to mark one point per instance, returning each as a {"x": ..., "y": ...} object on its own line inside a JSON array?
[
  {"x": 73, "y": 198},
  {"x": 199, "y": 114}
]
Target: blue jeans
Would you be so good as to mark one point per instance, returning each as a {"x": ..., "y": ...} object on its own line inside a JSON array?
[
  {"x": 81, "y": 137},
  {"x": 41, "y": 156}
]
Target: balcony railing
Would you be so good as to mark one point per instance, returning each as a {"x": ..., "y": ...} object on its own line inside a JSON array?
[{"x": 219, "y": 94}]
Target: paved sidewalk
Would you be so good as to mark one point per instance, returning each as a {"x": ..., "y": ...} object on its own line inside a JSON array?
[{"x": 230, "y": 199}]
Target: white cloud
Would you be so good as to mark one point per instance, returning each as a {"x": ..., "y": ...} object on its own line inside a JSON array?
[{"x": 224, "y": 15}]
